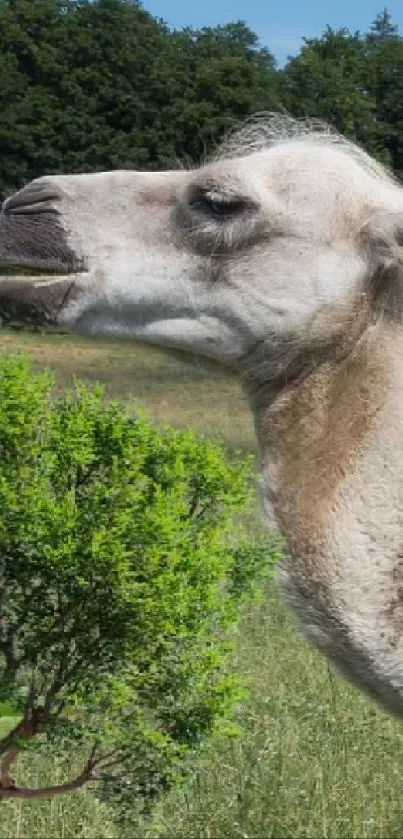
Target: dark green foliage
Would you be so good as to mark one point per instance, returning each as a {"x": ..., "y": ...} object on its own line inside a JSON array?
[
  {"x": 328, "y": 79},
  {"x": 354, "y": 82},
  {"x": 87, "y": 86},
  {"x": 384, "y": 55},
  {"x": 119, "y": 579},
  {"x": 382, "y": 27},
  {"x": 217, "y": 77}
]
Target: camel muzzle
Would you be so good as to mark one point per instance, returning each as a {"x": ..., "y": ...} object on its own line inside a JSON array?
[{"x": 37, "y": 265}]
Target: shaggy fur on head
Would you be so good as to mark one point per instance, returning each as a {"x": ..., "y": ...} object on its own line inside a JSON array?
[{"x": 265, "y": 130}]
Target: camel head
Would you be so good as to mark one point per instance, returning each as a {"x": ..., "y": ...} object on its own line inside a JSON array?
[
  {"x": 260, "y": 249},
  {"x": 280, "y": 258}
]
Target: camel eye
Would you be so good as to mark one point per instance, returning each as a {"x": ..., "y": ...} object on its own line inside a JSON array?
[
  {"x": 223, "y": 205},
  {"x": 218, "y": 204}
]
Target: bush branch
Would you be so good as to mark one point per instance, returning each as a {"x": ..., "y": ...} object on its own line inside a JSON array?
[{"x": 9, "y": 790}]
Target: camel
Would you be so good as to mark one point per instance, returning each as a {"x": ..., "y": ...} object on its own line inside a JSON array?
[{"x": 281, "y": 258}]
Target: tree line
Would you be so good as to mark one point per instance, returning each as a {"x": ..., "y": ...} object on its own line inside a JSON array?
[{"x": 99, "y": 85}]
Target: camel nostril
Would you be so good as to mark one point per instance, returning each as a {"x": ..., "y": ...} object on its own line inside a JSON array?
[
  {"x": 33, "y": 240},
  {"x": 34, "y": 198}
]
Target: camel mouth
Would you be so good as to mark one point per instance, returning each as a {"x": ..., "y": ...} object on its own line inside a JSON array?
[
  {"x": 27, "y": 269},
  {"x": 35, "y": 299},
  {"x": 39, "y": 272}
]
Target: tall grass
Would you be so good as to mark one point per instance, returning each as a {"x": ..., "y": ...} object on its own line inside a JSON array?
[{"x": 314, "y": 759}]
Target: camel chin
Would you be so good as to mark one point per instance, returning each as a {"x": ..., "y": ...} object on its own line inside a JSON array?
[{"x": 280, "y": 259}]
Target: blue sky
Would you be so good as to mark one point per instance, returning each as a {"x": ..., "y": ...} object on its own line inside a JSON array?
[{"x": 280, "y": 24}]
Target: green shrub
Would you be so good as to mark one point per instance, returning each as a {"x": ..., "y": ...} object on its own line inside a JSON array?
[{"x": 119, "y": 580}]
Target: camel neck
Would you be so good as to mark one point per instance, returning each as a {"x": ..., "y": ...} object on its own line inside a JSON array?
[
  {"x": 332, "y": 462},
  {"x": 313, "y": 433}
]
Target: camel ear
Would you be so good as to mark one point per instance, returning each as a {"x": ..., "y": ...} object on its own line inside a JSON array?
[{"x": 382, "y": 240}]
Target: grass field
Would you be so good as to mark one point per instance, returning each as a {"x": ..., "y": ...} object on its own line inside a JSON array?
[
  {"x": 315, "y": 759},
  {"x": 171, "y": 390}
]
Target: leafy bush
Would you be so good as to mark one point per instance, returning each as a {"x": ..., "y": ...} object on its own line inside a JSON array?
[{"x": 118, "y": 580}]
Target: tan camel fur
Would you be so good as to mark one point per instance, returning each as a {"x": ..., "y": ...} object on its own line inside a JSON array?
[{"x": 281, "y": 258}]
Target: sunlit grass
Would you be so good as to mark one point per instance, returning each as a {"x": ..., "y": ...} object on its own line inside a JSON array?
[
  {"x": 171, "y": 390},
  {"x": 315, "y": 759}
]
